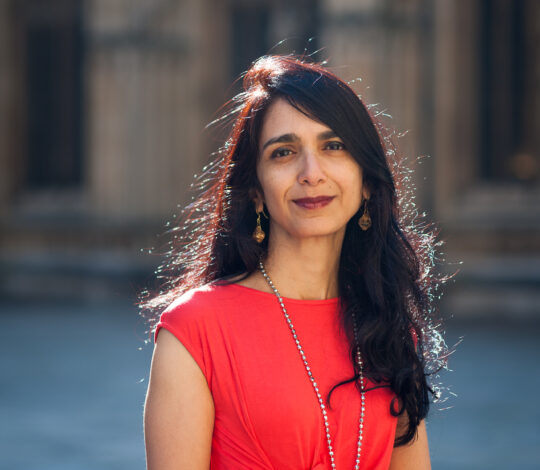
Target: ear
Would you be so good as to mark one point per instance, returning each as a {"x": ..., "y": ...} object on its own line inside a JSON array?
[
  {"x": 257, "y": 199},
  {"x": 366, "y": 193},
  {"x": 258, "y": 205}
]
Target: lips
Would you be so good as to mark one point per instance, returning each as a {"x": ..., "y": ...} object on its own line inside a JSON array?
[{"x": 313, "y": 202}]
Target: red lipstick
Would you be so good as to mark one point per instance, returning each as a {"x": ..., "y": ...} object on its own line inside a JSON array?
[{"x": 313, "y": 202}]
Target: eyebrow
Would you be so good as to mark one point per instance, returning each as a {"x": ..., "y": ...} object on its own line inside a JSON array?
[{"x": 287, "y": 138}]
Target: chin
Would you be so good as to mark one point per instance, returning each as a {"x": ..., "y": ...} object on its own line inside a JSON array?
[{"x": 317, "y": 230}]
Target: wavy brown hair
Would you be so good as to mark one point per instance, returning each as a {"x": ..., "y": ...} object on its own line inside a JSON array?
[{"x": 386, "y": 274}]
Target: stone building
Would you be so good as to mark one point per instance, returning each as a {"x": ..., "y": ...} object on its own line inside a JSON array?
[{"x": 103, "y": 105}]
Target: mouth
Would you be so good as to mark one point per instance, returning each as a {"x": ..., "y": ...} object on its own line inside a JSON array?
[{"x": 313, "y": 202}]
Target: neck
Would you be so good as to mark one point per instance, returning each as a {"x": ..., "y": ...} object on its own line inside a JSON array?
[{"x": 305, "y": 269}]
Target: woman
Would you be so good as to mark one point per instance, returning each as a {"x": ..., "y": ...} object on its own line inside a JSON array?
[{"x": 297, "y": 305}]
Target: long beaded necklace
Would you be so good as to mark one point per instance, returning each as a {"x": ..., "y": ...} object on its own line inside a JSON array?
[{"x": 314, "y": 382}]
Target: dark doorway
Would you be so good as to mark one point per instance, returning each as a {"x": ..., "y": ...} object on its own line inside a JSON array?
[
  {"x": 53, "y": 53},
  {"x": 509, "y": 148}
]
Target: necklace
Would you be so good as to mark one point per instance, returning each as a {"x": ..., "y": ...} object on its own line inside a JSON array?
[{"x": 314, "y": 382}]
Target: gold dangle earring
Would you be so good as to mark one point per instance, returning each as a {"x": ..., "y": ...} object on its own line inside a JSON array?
[
  {"x": 365, "y": 220},
  {"x": 258, "y": 234}
]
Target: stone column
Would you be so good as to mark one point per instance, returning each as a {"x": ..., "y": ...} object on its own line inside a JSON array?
[{"x": 148, "y": 101}]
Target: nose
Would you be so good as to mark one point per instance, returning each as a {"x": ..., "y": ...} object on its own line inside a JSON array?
[{"x": 311, "y": 172}]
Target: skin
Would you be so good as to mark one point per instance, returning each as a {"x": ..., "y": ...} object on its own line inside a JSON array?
[
  {"x": 306, "y": 162},
  {"x": 298, "y": 158},
  {"x": 179, "y": 410},
  {"x": 414, "y": 455}
]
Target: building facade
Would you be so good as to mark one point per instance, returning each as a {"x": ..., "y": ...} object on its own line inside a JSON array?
[{"x": 105, "y": 103}]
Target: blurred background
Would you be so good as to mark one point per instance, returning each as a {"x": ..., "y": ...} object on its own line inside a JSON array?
[{"x": 103, "y": 105}]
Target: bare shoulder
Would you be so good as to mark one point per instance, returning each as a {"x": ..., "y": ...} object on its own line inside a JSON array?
[
  {"x": 169, "y": 350},
  {"x": 179, "y": 409}
]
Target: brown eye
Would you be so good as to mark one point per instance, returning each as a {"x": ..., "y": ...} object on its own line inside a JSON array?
[
  {"x": 281, "y": 152},
  {"x": 335, "y": 145}
]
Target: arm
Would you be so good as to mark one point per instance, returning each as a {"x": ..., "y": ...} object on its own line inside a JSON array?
[
  {"x": 415, "y": 454},
  {"x": 179, "y": 410}
]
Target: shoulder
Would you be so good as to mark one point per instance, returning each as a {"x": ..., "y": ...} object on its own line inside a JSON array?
[
  {"x": 196, "y": 313},
  {"x": 203, "y": 302},
  {"x": 198, "y": 319},
  {"x": 218, "y": 308},
  {"x": 200, "y": 297}
]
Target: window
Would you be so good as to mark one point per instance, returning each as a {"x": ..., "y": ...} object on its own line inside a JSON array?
[
  {"x": 53, "y": 70},
  {"x": 509, "y": 145}
]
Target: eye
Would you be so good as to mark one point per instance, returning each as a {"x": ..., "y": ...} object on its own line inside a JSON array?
[
  {"x": 335, "y": 145},
  {"x": 281, "y": 152}
]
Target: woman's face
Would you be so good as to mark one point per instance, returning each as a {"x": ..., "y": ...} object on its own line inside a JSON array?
[{"x": 311, "y": 184}]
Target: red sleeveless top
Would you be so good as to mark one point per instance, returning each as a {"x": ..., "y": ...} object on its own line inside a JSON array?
[{"x": 266, "y": 412}]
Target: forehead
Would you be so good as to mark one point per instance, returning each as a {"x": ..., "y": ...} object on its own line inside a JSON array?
[{"x": 283, "y": 118}]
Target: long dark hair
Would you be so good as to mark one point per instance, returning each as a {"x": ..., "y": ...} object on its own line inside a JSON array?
[{"x": 386, "y": 276}]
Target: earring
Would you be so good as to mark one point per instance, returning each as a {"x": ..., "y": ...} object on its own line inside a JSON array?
[
  {"x": 258, "y": 234},
  {"x": 365, "y": 220}
]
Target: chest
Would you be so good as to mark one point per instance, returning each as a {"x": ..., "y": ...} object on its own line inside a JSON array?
[{"x": 263, "y": 390}]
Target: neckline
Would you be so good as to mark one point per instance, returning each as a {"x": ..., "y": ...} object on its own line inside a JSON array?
[{"x": 270, "y": 295}]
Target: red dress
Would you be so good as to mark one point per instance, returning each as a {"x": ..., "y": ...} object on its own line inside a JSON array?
[{"x": 266, "y": 411}]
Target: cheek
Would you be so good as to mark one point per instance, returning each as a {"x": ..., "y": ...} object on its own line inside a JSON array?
[
  {"x": 271, "y": 186},
  {"x": 352, "y": 184}
]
